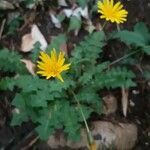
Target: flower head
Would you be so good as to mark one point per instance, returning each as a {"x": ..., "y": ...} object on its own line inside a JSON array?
[
  {"x": 111, "y": 11},
  {"x": 52, "y": 65}
]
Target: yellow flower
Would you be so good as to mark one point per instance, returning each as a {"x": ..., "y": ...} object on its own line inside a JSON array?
[
  {"x": 93, "y": 146},
  {"x": 111, "y": 11},
  {"x": 52, "y": 65}
]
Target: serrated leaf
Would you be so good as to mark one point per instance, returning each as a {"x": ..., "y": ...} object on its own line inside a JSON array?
[
  {"x": 38, "y": 100},
  {"x": 20, "y": 115},
  {"x": 35, "y": 52},
  {"x": 9, "y": 59},
  {"x": 7, "y": 84},
  {"x": 89, "y": 49},
  {"x": 130, "y": 37},
  {"x": 142, "y": 30},
  {"x": 146, "y": 49},
  {"x": 116, "y": 77},
  {"x": 19, "y": 118},
  {"x": 57, "y": 42}
]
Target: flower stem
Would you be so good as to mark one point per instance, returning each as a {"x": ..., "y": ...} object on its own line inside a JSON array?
[
  {"x": 103, "y": 25},
  {"x": 118, "y": 27},
  {"x": 90, "y": 138}
]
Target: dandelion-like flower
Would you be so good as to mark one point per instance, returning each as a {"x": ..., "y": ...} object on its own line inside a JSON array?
[
  {"x": 52, "y": 65},
  {"x": 112, "y": 12}
]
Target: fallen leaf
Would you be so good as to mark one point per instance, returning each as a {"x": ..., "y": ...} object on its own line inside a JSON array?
[
  {"x": 68, "y": 12},
  {"x": 84, "y": 12},
  {"x": 78, "y": 12},
  {"x": 62, "y": 3},
  {"x": 98, "y": 27},
  {"x": 110, "y": 104},
  {"x": 27, "y": 43},
  {"x": 90, "y": 27},
  {"x": 55, "y": 20},
  {"x": 29, "y": 65},
  {"x": 4, "y": 5},
  {"x": 124, "y": 101},
  {"x": 38, "y": 36},
  {"x": 28, "y": 40}
]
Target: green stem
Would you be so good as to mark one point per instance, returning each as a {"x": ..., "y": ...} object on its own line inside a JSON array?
[
  {"x": 126, "y": 56},
  {"x": 118, "y": 27},
  {"x": 103, "y": 25},
  {"x": 90, "y": 138}
]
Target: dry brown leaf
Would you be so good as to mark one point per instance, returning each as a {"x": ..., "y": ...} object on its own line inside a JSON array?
[
  {"x": 29, "y": 65},
  {"x": 90, "y": 27},
  {"x": 38, "y": 36},
  {"x": 4, "y": 5},
  {"x": 110, "y": 104},
  {"x": 62, "y": 3},
  {"x": 28, "y": 40},
  {"x": 27, "y": 43},
  {"x": 124, "y": 101}
]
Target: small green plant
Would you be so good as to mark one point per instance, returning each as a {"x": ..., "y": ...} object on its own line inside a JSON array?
[{"x": 50, "y": 104}]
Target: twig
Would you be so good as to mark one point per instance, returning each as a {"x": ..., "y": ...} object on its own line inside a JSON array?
[
  {"x": 2, "y": 27},
  {"x": 30, "y": 144},
  {"x": 126, "y": 56},
  {"x": 27, "y": 142}
]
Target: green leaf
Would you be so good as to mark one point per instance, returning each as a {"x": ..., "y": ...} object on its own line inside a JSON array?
[
  {"x": 44, "y": 128},
  {"x": 89, "y": 49},
  {"x": 142, "y": 30},
  {"x": 61, "y": 17},
  {"x": 38, "y": 100},
  {"x": 57, "y": 42},
  {"x": 89, "y": 96},
  {"x": 116, "y": 77},
  {"x": 13, "y": 24},
  {"x": 20, "y": 115},
  {"x": 35, "y": 52},
  {"x": 75, "y": 23},
  {"x": 82, "y": 3},
  {"x": 146, "y": 49},
  {"x": 130, "y": 37},
  {"x": 19, "y": 101},
  {"x": 44, "y": 131},
  {"x": 7, "y": 83},
  {"x": 10, "y": 62},
  {"x": 147, "y": 74}
]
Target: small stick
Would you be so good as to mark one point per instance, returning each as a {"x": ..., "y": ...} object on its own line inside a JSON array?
[
  {"x": 30, "y": 144},
  {"x": 2, "y": 27}
]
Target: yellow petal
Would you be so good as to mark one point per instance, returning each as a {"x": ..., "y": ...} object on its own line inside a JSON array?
[
  {"x": 61, "y": 59},
  {"x": 53, "y": 55},
  {"x": 65, "y": 67},
  {"x": 60, "y": 78}
]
